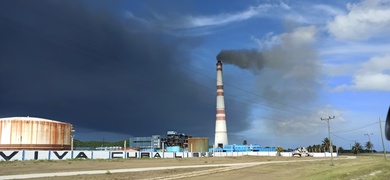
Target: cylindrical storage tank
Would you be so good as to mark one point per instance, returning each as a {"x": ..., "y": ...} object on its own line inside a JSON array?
[
  {"x": 31, "y": 133},
  {"x": 198, "y": 144}
]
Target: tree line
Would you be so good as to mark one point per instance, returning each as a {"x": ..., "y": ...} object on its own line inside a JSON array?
[
  {"x": 356, "y": 148},
  {"x": 325, "y": 145},
  {"x": 96, "y": 144}
]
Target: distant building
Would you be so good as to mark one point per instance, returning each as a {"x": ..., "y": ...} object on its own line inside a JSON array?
[
  {"x": 157, "y": 143},
  {"x": 176, "y": 139},
  {"x": 153, "y": 142}
]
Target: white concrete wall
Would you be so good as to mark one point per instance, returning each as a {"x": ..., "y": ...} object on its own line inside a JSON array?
[
  {"x": 63, "y": 155},
  {"x": 270, "y": 153}
]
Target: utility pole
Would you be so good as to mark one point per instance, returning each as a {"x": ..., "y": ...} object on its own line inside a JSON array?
[
  {"x": 330, "y": 141},
  {"x": 369, "y": 140},
  {"x": 383, "y": 143},
  {"x": 71, "y": 143},
  {"x": 72, "y": 140}
]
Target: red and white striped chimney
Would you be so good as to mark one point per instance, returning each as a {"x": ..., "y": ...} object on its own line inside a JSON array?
[{"x": 221, "y": 138}]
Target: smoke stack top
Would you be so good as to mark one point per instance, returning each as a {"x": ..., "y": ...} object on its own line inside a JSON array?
[{"x": 243, "y": 58}]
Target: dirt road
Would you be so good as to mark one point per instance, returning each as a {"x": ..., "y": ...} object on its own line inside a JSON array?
[{"x": 194, "y": 168}]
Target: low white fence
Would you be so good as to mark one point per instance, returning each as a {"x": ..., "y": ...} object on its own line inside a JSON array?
[
  {"x": 22, "y": 155},
  {"x": 269, "y": 153}
]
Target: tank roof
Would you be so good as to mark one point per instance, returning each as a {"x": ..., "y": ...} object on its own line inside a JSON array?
[{"x": 28, "y": 119}]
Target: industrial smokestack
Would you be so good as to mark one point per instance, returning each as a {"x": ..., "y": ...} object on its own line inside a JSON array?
[{"x": 220, "y": 123}]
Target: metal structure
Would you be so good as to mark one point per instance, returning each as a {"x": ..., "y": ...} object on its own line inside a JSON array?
[
  {"x": 221, "y": 138},
  {"x": 198, "y": 144},
  {"x": 156, "y": 142},
  {"x": 177, "y": 139},
  {"x": 32, "y": 133}
]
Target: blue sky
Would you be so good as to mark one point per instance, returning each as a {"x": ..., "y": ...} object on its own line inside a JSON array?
[{"x": 314, "y": 59}]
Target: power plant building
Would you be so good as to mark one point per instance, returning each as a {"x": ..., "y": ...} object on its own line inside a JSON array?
[
  {"x": 30, "y": 133},
  {"x": 173, "y": 140},
  {"x": 176, "y": 139},
  {"x": 145, "y": 143}
]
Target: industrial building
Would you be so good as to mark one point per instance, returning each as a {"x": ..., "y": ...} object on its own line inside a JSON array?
[
  {"x": 173, "y": 142},
  {"x": 34, "y": 133},
  {"x": 145, "y": 143},
  {"x": 176, "y": 139},
  {"x": 242, "y": 148}
]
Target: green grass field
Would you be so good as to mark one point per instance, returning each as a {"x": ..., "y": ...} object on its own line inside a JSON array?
[{"x": 363, "y": 167}]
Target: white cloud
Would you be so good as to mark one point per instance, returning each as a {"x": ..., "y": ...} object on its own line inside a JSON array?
[
  {"x": 304, "y": 126},
  {"x": 284, "y": 5},
  {"x": 377, "y": 81},
  {"x": 372, "y": 75},
  {"x": 330, "y": 10},
  {"x": 130, "y": 15},
  {"x": 311, "y": 14},
  {"x": 341, "y": 48},
  {"x": 340, "y": 69},
  {"x": 196, "y": 25},
  {"x": 279, "y": 11},
  {"x": 376, "y": 64},
  {"x": 370, "y": 18},
  {"x": 300, "y": 36},
  {"x": 200, "y": 21}
]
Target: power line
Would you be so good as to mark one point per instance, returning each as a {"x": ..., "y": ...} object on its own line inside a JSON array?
[
  {"x": 269, "y": 99},
  {"x": 355, "y": 128},
  {"x": 341, "y": 137}
]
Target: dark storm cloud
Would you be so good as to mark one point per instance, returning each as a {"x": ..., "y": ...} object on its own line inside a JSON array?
[{"x": 64, "y": 61}]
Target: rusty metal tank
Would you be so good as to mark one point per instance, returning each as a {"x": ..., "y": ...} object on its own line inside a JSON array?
[
  {"x": 32, "y": 133},
  {"x": 199, "y": 144}
]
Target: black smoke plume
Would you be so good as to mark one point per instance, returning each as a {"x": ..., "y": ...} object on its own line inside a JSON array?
[
  {"x": 245, "y": 59},
  {"x": 287, "y": 80}
]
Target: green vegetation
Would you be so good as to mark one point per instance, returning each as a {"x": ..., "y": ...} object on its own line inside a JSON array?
[
  {"x": 366, "y": 167},
  {"x": 369, "y": 145},
  {"x": 95, "y": 144},
  {"x": 323, "y": 147},
  {"x": 356, "y": 149},
  {"x": 279, "y": 150}
]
